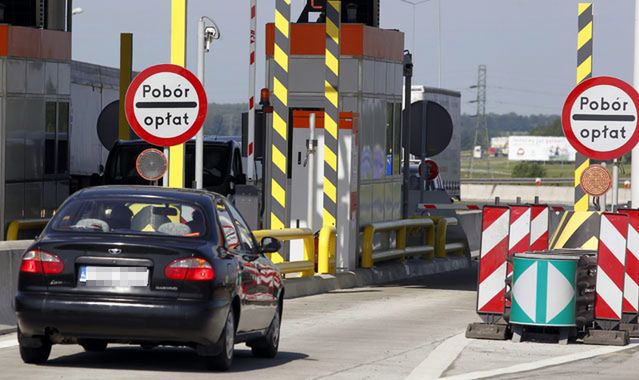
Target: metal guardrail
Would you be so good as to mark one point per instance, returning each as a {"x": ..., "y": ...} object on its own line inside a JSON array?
[
  {"x": 523, "y": 181},
  {"x": 442, "y": 249},
  {"x": 369, "y": 256},
  {"x": 17, "y": 226},
  {"x": 325, "y": 250}
]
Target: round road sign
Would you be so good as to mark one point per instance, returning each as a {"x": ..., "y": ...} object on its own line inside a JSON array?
[
  {"x": 151, "y": 164},
  {"x": 166, "y": 105},
  {"x": 596, "y": 180},
  {"x": 599, "y": 118}
]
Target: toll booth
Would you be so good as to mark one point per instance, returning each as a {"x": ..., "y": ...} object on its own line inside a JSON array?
[
  {"x": 370, "y": 100},
  {"x": 35, "y": 57}
]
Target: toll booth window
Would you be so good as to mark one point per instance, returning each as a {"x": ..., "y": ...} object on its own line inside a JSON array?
[
  {"x": 56, "y": 145},
  {"x": 397, "y": 137},
  {"x": 227, "y": 226}
]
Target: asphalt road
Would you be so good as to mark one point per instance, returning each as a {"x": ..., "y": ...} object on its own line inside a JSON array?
[{"x": 412, "y": 329}]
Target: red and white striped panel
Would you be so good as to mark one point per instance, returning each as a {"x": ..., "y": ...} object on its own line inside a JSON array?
[
  {"x": 611, "y": 259},
  {"x": 631, "y": 280},
  {"x": 519, "y": 240},
  {"x": 492, "y": 260},
  {"x": 539, "y": 223}
]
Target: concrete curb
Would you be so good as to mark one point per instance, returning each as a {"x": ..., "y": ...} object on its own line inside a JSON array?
[
  {"x": 5, "y": 329},
  {"x": 380, "y": 274}
]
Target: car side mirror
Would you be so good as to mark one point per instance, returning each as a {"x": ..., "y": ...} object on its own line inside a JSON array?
[{"x": 270, "y": 245}]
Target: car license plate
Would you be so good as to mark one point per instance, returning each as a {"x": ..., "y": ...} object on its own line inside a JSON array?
[{"x": 118, "y": 277}]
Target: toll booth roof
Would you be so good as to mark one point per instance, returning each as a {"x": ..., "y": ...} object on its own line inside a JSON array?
[{"x": 356, "y": 40}]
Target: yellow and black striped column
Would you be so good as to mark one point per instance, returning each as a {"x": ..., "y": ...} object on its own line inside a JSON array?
[
  {"x": 331, "y": 111},
  {"x": 584, "y": 71},
  {"x": 279, "y": 133}
]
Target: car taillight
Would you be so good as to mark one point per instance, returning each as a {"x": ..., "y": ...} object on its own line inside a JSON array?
[
  {"x": 36, "y": 261},
  {"x": 190, "y": 269}
]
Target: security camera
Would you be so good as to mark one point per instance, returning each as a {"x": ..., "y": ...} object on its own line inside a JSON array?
[{"x": 211, "y": 33}]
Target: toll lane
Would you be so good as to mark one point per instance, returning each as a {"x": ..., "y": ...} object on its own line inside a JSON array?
[
  {"x": 381, "y": 332},
  {"x": 387, "y": 332}
]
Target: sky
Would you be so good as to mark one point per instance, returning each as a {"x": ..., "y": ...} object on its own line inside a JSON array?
[{"x": 528, "y": 46}]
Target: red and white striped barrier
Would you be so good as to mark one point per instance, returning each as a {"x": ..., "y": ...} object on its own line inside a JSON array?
[
  {"x": 631, "y": 281},
  {"x": 539, "y": 224},
  {"x": 519, "y": 234},
  {"x": 611, "y": 259},
  {"x": 492, "y": 261}
]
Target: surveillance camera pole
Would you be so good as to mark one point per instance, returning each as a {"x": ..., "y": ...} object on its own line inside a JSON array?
[
  {"x": 199, "y": 138},
  {"x": 406, "y": 123}
]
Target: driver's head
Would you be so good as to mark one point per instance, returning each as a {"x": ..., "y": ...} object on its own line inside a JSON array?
[{"x": 120, "y": 217}]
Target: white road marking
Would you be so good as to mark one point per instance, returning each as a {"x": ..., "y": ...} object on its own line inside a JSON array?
[
  {"x": 440, "y": 358},
  {"x": 9, "y": 341},
  {"x": 540, "y": 363}
]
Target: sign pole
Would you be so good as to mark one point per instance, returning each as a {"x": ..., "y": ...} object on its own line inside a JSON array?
[
  {"x": 126, "y": 69},
  {"x": 178, "y": 57},
  {"x": 199, "y": 138},
  {"x": 634, "y": 171},
  {"x": 584, "y": 71}
]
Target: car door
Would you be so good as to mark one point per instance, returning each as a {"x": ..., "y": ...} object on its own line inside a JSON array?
[
  {"x": 250, "y": 318},
  {"x": 268, "y": 282}
]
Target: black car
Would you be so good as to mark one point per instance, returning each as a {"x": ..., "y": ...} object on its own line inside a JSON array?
[{"x": 149, "y": 266}]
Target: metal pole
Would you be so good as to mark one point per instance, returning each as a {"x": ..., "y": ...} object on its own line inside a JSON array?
[
  {"x": 439, "y": 43},
  {"x": 634, "y": 169},
  {"x": 199, "y": 138},
  {"x": 312, "y": 176},
  {"x": 615, "y": 185},
  {"x": 408, "y": 76},
  {"x": 250, "y": 154}
]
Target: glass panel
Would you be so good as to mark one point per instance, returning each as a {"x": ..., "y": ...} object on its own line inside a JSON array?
[
  {"x": 397, "y": 141},
  {"x": 49, "y": 156},
  {"x": 63, "y": 117},
  {"x": 63, "y": 156},
  {"x": 50, "y": 121}
]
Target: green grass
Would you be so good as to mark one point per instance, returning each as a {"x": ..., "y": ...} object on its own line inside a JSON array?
[{"x": 502, "y": 168}]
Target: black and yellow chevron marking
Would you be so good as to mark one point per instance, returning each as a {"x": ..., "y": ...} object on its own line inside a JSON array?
[
  {"x": 584, "y": 71},
  {"x": 331, "y": 111},
  {"x": 279, "y": 144},
  {"x": 577, "y": 230}
]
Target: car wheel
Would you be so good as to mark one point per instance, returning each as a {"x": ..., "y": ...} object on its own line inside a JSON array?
[
  {"x": 93, "y": 345},
  {"x": 223, "y": 360},
  {"x": 34, "y": 350},
  {"x": 267, "y": 346}
]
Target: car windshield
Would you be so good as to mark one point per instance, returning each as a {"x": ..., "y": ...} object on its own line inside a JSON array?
[
  {"x": 217, "y": 160},
  {"x": 166, "y": 217}
]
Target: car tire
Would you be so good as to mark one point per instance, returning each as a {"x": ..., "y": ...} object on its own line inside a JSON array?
[
  {"x": 34, "y": 355},
  {"x": 223, "y": 360},
  {"x": 267, "y": 346},
  {"x": 93, "y": 345}
]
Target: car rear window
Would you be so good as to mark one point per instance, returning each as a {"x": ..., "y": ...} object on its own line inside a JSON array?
[{"x": 164, "y": 217}]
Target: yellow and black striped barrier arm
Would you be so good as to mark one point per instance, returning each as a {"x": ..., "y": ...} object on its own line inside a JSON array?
[
  {"x": 584, "y": 71},
  {"x": 279, "y": 133},
  {"x": 331, "y": 111}
]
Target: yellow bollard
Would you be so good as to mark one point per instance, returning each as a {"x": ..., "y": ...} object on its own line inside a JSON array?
[
  {"x": 367, "y": 247},
  {"x": 326, "y": 250}
]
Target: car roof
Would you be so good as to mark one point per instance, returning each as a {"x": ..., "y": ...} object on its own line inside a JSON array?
[{"x": 114, "y": 191}]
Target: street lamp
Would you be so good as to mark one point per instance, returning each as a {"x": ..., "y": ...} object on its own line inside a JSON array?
[
  {"x": 206, "y": 34},
  {"x": 439, "y": 33}
]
